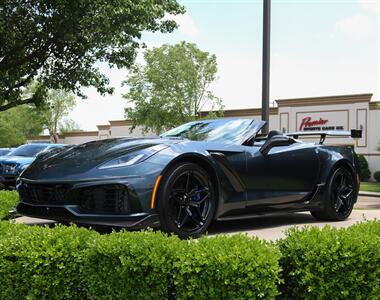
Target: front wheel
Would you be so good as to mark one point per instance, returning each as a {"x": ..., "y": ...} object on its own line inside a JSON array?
[
  {"x": 186, "y": 202},
  {"x": 340, "y": 198}
]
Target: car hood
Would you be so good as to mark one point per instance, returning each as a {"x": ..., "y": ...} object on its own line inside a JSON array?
[
  {"x": 82, "y": 158},
  {"x": 20, "y": 160}
]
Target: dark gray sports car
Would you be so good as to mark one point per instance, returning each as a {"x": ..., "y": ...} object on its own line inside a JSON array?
[{"x": 191, "y": 175}]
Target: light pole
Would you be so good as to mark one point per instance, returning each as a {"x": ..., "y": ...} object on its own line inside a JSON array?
[{"x": 266, "y": 65}]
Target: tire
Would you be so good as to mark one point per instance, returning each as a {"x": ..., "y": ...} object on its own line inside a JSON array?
[
  {"x": 186, "y": 200},
  {"x": 340, "y": 197}
]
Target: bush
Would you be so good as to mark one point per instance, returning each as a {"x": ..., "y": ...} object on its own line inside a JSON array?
[
  {"x": 77, "y": 263},
  {"x": 222, "y": 267},
  {"x": 73, "y": 263},
  {"x": 367, "y": 227},
  {"x": 364, "y": 172},
  {"x": 131, "y": 265},
  {"x": 8, "y": 200},
  {"x": 43, "y": 263},
  {"x": 152, "y": 266},
  {"x": 331, "y": 263},
  {"x": 376, "y": 175}
]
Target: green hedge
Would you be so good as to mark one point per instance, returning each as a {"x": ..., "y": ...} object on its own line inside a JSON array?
[
  {"x": 331, "y": 263},
  {"x": 136, "y": 265},
  {"x": 77, "y": 263},
  {"x": 364, "y": 172},
  {"x": 8, "y": 200},
  {"x": 235, "y": 267},
  {"x": 40, "y": 263},
  {"x": 376, "y": 175}
]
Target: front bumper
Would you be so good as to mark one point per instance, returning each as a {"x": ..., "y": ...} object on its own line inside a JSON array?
[
  {"x": 70, "y": 213},
  {"x": 117, "y": 202}
]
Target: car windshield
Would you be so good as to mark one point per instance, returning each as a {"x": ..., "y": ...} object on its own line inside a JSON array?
[
  {"x": 227, "y": 131},
  {"x": 29, "y": 150}
]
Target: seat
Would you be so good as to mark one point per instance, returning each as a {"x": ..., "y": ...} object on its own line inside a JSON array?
[{"x": 272, "y": 133}]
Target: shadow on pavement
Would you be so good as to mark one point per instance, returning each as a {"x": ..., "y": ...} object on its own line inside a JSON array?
[
  {"x": 217, "y": 227},
  {"x": 261, "y": 222}
]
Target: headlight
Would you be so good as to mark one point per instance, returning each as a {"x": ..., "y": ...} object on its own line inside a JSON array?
[
  {"x": 10, "y": 168},
  {"x": 132, "y": 158}
]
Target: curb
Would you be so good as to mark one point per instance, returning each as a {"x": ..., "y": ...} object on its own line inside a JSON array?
[{"x": 369, "y": 194}]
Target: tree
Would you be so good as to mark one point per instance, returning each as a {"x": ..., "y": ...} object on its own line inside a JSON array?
[
  {"x": 18, "y": 124},
  {"x": 57, "y": 43},
  {"x": 172, "y": 87},
  {"x": 58, "y": 105},
  {"x": 69, "y": 125},
  {"x": 364, "y": 172}
]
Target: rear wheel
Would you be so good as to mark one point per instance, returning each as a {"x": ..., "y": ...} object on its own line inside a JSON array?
[
  {"x": 341, "y": 196},
  {"x": 186, "y": 202}
]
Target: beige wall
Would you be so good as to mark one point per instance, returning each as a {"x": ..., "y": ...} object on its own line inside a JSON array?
[{"x": 74, "y": 140}]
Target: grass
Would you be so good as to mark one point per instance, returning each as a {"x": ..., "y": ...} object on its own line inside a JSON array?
[{"x": 370, "y": 187}]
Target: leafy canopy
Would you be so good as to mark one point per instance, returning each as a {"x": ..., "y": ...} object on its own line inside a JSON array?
[
  {"x": 172, "y": 87},
  {"x": 58, "y": 105},
  {"x": 58, "y": 42},
  {"x": 69, "y": 125},
  {"x": 18, "y": 124}
]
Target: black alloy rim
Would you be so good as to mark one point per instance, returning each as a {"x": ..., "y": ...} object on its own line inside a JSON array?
[
  {"x": 344, "y": 191},
  {"x": 190, "y": 199}
]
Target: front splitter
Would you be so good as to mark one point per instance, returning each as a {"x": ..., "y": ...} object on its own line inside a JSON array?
[{"x": 70, "y": 213}]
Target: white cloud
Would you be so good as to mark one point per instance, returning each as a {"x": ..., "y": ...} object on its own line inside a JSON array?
[
  {"x": 186, "y": 25},
  {"x": 371, "y": 5},
  {"x": 358, "y": 27}
]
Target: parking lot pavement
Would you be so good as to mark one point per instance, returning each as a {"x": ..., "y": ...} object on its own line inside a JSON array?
[{"x": 274, "y": 227}]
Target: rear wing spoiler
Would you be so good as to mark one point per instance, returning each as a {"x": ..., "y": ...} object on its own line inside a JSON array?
[{"x": 354, "y": 133}]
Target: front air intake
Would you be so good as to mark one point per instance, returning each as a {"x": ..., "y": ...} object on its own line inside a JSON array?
[
  {"x": 111, "y": 198},
  {"x": 45, "y": 194}
]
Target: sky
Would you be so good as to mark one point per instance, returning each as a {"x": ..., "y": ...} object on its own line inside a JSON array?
[{"x": 318, "y": 48}]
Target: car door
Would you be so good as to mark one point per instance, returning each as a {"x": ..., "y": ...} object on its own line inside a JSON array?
[{"x": 285, "y": 174}]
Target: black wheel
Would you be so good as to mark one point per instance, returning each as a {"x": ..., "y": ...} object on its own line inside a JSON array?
[
  {"x": 186, "y": 202},
  {"x": 340, "y": 198}
]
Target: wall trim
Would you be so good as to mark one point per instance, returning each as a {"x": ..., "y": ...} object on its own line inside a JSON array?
[
  {"x": 374, "y": 105},
  {"x": 121, "y": 123},
  {"x": 244, "y": 112},
  {"x": 80, "y": 133},
  {"x": 366, "y": 127},
  {"x": 103, "y": 127},
  {"x": 324, "y": 100},
  {"x": 287, "y": 123}
]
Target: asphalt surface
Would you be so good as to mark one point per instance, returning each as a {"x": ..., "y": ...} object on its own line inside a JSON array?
[{"x": 272, "y": 227}]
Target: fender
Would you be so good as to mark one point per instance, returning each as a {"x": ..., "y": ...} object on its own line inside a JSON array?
[{"x": 215, "y": 164}]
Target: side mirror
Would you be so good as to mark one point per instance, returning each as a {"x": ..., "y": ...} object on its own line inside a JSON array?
[{"x": 275, "y": 141}]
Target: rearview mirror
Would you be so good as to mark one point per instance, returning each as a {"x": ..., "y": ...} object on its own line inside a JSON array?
[{"x": 275, "y": 141}]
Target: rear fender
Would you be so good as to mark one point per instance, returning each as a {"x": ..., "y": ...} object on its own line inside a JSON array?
[{"x": 331, "y": 158}]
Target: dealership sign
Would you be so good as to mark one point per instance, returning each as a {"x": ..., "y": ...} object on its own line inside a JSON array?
[{"x": 315, "y": 121}]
